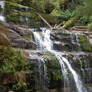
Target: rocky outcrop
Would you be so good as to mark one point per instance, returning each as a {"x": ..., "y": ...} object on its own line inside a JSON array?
[
  {"x": 20, "y": 29},
  {"x": 72, "y": 40},
  {"x": 20, "y": 36},
  {"x": 64, "y": 41},
  {"x": 19, "y": 42}
]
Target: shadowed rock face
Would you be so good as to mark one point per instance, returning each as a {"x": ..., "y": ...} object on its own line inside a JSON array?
[{"x": 63, "y": 41}]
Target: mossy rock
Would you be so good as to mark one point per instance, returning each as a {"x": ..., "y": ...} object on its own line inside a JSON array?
[
  {"x": 54, "y": 70},
  {"x": 85, "y": 44}
]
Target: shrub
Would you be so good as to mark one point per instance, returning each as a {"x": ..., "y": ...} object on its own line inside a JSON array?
[
  {"x": 11, "y": 60},
  {"x": 13, "y": 66},
  {"x": 90, "y": 27}
]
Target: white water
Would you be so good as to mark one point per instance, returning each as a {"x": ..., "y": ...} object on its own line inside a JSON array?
[
  {"x": 43, "y": 40},
  {"x": 78, "y": 42},
  {"x": 44, "y": 43},
  {"x": 2, "y": 4},
  {"x": 41, "y": 45},
  {"x": 78, "y": 82},
  {"x": 42, "y": 75}
]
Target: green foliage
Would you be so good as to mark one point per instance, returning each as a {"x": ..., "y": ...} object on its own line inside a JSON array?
[
  {"x": 54, "y": 69},
  {"x": 20, "y": 87},
  {"x": 58, "y": 11},
  {"x": 83, "y": 20},
  {"x": 70, "y": 22},
  {"x": 86, "y": 8},
  {"x": 12, "y": 60},
  {"x": 85, "y": 43},
  {"x": 90, "y": 27},
  {"x": 13, "y": 64}
]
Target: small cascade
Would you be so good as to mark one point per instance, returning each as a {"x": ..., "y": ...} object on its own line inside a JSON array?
[
  {"x": 44, "y": 43},
  {"x": 43, "y": 39},
  {"x": 64, "y": 71},
  {"x": 72, "y": 40},
  {"x": 2, "y": 5},
  {"x": 78, "y": 82},
  {"x": 78, "y": 42},
  {"x": 75, "y": 41},
  {"x": 42, "y": 76},
  {"x": 42, "y": 69}
]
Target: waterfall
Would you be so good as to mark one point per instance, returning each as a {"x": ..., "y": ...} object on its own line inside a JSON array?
[
  {"x": 79, "y": 84},
  {"x": 2, "y": 5},
  {"x": 45, "y": 43},
  {"x": 63, "y": 69},
  {"x": 78, "y": 42},
  {"x": 42, "y": 76}
]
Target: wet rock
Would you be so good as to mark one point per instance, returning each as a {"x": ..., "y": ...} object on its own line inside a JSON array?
[
  {"x": 22, "y": 43},
  {"x": 81, "y": 63},
  {"x": 64, "y": 41},
  {"x": 62, "y": 46}
]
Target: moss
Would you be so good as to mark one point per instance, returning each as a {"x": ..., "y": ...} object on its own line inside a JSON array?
[
  {"x": 85, "y": 44},
  {"x": 54, "y": 70},
  {"x": 31, "y": 37},
  {"x": 14, "y": 4}
]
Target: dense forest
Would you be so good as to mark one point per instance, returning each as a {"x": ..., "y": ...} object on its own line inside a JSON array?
[
  {"x": 45, "y": 45},
  {"x": 65, "y": 13}
]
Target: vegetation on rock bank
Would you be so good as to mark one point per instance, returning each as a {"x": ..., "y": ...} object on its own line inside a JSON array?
[{"x": 13, "y": 66}]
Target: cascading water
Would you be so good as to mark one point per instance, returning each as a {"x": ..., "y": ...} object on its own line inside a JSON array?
[
  {"x": 45, "y": 43},
  {"x": 64, "y": 70},
  {"x": 2, "y": 5},
  {"x": 78, "y": 42},
  {"x": 43, "y": 78}
]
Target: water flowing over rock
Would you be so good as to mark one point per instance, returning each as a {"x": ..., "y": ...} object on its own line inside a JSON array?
[
  {"x": 2, "y": 4},
  {"x": 44, "y": 42}
]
